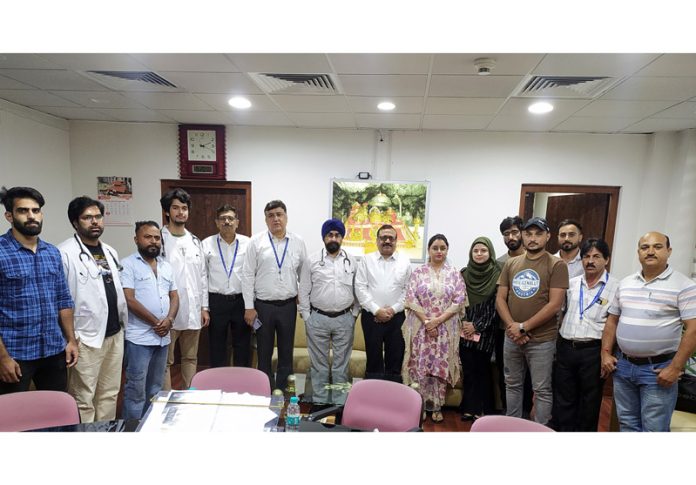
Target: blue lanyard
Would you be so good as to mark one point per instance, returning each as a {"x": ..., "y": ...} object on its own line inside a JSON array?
[
  {"x": 279, "y": 263},
  {"x": 222, "y": 257},
  {"x": 595, "y": 300}
]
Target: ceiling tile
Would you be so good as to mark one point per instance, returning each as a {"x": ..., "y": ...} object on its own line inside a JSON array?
[
  {"x": 380, "y": 63},
  {"x": 623, "y": 109},
  {"x": 212, "y": 82},
  {"x": 259, "y": 102},
  {"x": 187, "y": 62},
  {"x": 77, "y": 113},
  {"x": 52, "y": 79},
  {"x": 323, "y": 120},
  {"x": 281, "y": 63},
  {"x": 383, "y": 85},
  {"x": 169, "y": 100},
  {"x": 388, "y": 121},
  {"x": 96, "y": 62},
  {"x": 505, "y": 64},
  {"x": 463, "y": 106},
  {"x": 473, "y": 86},
  {"x": 612, "y": 65},
  {"x": 650, "y": 125},
  {"x": 368, "y": 104},
  {"x": 682, "y": 110},
  {"x": 312, "y": 104},
  {"x": 99, "y": 99},
  {"x": 671, "y": 65},
  {"x": 562, "y": 108},
  {"x": 199, "y": 117},
  {"x": 521, "y": 123},
  {"x": 455, "y": 122},
  {"x": 25, "y": 61},
  {"x": 8, "y": 83},
  {"x": 260, "y": 118},
  {"x": 654, "y": 89},
  {"x": 143, "y": 115},
  {"x": 595, "y": 124},
  {"x": 34, "y": 98}
]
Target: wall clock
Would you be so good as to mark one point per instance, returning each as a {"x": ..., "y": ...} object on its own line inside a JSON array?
[{"x": 202, "y": 152}]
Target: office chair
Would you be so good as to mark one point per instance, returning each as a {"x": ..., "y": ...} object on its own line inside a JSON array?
[
  {"x": 29, "y": 410},
  {"x": 233, "y": 379},
  {"x": 507, "y": 424},
  {"x": 376, "y": 404}
]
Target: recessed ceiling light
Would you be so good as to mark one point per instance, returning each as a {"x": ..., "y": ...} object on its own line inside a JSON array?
[
  {"x": 386, "y": 106},
  {"x": 540, "y": 108},
  {"x": 239, "y": 102}
]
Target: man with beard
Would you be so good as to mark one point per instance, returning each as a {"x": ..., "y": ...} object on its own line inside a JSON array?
[
  {"x": 153, "y": 302},
  {"x": 511, "y": 230},
  {"x": 577, "y": 384},
  {"x": 224, "y": 256},
  {"x": 380, "y": 285},
  {"x": 569, "y": 239},
  {"x": 184, "y": 252},
  {"x": 328, "y": 307},
  {"x": 531, "y": 289},
  {"x": 92, "y": 269},
  {"x": 37, "y": 339}
]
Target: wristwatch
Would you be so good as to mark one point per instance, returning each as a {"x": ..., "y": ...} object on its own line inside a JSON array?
[{"x": 522, "y": 330}]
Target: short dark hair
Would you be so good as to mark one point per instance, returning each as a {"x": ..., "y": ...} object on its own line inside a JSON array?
[
  {"x": 667, "y": 238},
  {"x": 567, "y": 222},
  {"x": 168, "y": 198},
  {"x": 435, "y": 238},
  {"x": 8, "y": 196},
  {"x": 594, "y": 242},
  {"x": 225, "y": 208},
  {"x": 387, "y": 226},
  {"x": 274, "y": 204},
  {"x": 140, "y": 224},
  {"x": 78, "y": 205},
  {"x": 508, "y": 222}
]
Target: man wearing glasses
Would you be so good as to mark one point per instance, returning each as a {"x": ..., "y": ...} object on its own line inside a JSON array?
[
  {"x": 92, "y": 270},
  {"x": 224, "y": 258},
  {"x": 380, "y": 285}
]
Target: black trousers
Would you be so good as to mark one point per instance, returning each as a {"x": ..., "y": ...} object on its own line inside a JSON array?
[
  {"x": 526, "y": 392},
  {"x": 476, "y": 381},
  {"x": 48, "y": 374},
  {"x": 227, "y": 314},
  {"x": 384, "y": 347},
  {"x": 577, "y": 387},
  {"x": 278, "y": 322}
]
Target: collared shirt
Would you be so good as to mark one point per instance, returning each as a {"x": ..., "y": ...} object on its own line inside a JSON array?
[
  {"x": 220, "y": 280},
  {"x": 185, "y": 254},
  {"x": 594, "y": 317},
  {"x": 651, "y": 313},
  {"x": 152, "y": 292},
  {"x": 382, "y": 282},
  {"x": 33, "y": 290},
  {"x": 261, "y": 276},
  {"x": 326, "y": 282},
  {"x": 574, "y": 266}
]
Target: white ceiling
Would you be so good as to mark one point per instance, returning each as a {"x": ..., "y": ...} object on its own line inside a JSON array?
[{"x": 651, "y": 92}]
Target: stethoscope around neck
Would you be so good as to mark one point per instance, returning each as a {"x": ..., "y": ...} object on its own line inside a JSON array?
[
  {"x": 195, "y": 239},
  {"x": 85, "y": 262},
  {"x": 342, "y": 252}
]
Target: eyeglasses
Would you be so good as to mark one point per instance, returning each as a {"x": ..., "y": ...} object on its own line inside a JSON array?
[
  {"x": 387, "y": 238},
  {"x": 97, "y": 218},
  {"x": 226, "y": 219}
]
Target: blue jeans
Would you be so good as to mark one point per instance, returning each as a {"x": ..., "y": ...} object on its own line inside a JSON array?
[
  {"x": 539, "y": 357},
  {"x": 145, "y": 366},
  {"x": 641, "y": 403}
]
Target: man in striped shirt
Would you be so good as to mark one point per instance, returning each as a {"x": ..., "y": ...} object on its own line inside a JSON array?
[{"x": 645, "y": 320}]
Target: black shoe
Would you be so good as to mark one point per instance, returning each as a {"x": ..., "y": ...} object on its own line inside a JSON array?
[{"x": 467, "y": 417}]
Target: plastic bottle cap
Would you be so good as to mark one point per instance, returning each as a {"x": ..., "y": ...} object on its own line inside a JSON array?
[{"x": 294, "y": 399}]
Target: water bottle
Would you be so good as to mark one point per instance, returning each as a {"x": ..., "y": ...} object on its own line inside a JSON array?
[
  {"x": 291, "y": 390},
  {"x": 292, "y": 415}
]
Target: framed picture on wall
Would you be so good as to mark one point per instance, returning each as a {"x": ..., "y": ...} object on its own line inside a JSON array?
[{"x": 365, "y": 205}]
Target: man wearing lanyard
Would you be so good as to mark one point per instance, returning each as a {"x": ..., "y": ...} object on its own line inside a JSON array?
[
  {"x": 577, "y": 384},
  {"x": 224, "y": 257},
  {"x": 329, "y": 308},
  {"x": 183, "y": 251},
  {"x": 92, "y": 269},
  {"x": 269, "y": 285}
]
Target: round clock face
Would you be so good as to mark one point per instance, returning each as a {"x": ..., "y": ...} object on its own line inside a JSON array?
[{"x": 201, "y": 145}]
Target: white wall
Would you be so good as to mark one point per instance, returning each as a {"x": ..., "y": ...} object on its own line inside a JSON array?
[{"x": 35, "y": 152}]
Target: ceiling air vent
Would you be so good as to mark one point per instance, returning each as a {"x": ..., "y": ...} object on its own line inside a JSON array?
[
  {"x": 295, "y": 83},
  {"x": 131, "y": 80},
  {"x": 578, "y": 87}
]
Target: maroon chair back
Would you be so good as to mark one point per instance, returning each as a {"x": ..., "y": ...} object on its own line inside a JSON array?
[
  {"x": 508, "y": 424},
  {"x": 233, "y": 379},
  {"x": 29, "y": 410},
  {"x": 383, "y": 405}
]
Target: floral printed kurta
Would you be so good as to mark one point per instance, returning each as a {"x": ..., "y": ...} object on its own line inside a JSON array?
[{"x": 433, "y": 362}]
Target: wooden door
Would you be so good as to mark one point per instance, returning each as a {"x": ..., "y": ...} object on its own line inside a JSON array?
[
  {"x": 206, "y": 197},
  {"x": 590, "y": 210}
]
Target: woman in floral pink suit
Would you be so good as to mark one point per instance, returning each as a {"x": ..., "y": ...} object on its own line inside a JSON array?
[{"x": 435, "y": 295}]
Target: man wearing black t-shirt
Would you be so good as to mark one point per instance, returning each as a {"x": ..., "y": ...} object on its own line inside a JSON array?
[{"x": 92, "y": 269}]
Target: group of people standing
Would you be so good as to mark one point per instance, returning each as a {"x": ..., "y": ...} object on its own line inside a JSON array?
[{"x": 64, "y": 312}]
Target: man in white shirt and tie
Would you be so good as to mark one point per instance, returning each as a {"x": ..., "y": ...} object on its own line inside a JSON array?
[
  {"x": 270, "y": 285},
  {"x": 328, "y": 307},
  {"x": 380, "y": 285},
  {"x": 224, "y": 257}
]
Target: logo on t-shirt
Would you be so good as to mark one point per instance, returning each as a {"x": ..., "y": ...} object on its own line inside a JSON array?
[{"x": 525, "y": 284}]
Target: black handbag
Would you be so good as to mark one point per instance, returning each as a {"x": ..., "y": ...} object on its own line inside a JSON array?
[{"x": 686, "y": 394}]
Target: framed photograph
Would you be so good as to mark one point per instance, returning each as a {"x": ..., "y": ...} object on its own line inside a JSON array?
[{"x": 365, "y": 205}]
